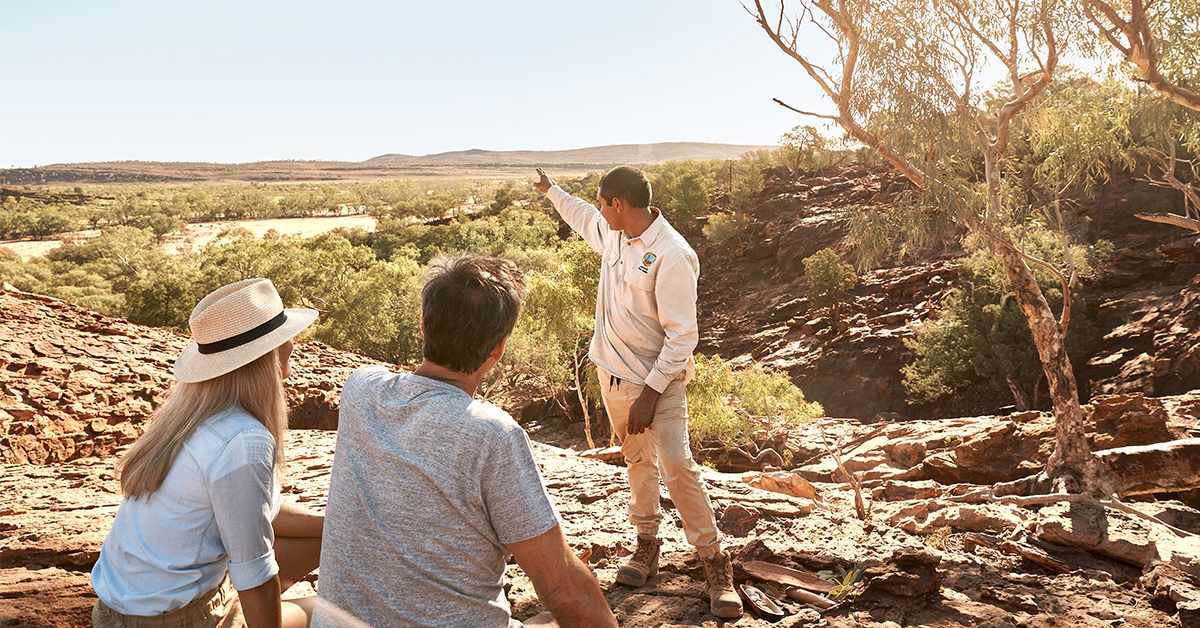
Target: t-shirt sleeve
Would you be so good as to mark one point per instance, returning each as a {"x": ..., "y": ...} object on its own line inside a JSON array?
[
  {"x": 241, "y": 486},
  {"x": 515, "y": 498}
]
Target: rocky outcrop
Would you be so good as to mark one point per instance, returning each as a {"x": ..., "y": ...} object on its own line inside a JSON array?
[
  {"x": 1144, "y": 305},
  {"x": 77, "y": 384},
  {"x": 53, "y": 519},
  {"x": 982, "y": 450}
]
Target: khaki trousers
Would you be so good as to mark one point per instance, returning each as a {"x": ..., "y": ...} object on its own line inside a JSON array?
[
  {"x": 661, "y": 452},
  {"x": 218, "y": 608}
]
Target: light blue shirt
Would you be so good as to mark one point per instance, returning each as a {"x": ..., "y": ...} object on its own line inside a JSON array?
[{"x": 212, "y": 514}]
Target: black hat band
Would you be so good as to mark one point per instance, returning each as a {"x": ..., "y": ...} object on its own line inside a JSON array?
[{"x": 244, "y": 337}]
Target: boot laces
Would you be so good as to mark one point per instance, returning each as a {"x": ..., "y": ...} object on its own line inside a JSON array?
[{"x": 645, "y": 550}]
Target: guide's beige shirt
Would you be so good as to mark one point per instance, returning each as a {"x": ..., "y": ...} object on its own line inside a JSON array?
[{"x": 646, "y": 326}]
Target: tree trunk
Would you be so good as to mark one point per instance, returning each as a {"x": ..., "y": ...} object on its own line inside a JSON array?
[
  {"x": 1020, "y": 400},
  {"x": 1172, "y": 219},
  {"x": 1072, "y": 467},
  {"x": 1157, "y": 468}
]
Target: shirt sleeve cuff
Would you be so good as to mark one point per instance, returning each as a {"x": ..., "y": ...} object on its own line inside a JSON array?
[
  {"x": 252, "y": 573},
  {"x": 658, "y": 381}
]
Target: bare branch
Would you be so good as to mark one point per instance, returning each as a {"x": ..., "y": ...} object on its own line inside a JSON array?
[
  {"x": 805, "y": 113},
  {"x": 1012, "y": 547},
  {"x": 1118, "y": 24},
  {"x": 1139, "y": 48},
  {"x": 1172, "y": 219},
  {"x": 859, "y": 507},
  {"x": 1167, "y": 164},
  {"x": 966, "y": 22},
  {"x": 841, "y": 93},
  {"x": 790, "y": 50},
  {"x": 1067, "y": 285}
]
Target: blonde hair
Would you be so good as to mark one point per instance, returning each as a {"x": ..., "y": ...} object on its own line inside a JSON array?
[{"x": 256, "y": 388}]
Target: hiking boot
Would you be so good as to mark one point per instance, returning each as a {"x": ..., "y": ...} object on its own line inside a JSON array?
[
  {"x": 643, "y": 563},
  {"x": 718, "y": 572}
]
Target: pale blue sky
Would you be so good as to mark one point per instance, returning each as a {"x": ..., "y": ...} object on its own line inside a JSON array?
[{"x": 229, "y": 82}]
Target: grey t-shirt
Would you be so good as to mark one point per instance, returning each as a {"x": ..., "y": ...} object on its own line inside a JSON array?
[{"x": 428, "y": 487}]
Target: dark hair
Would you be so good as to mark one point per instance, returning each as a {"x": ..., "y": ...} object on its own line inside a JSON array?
[
  {"x": 468, "y": 305},
  {"x": 627, "y": 183}
]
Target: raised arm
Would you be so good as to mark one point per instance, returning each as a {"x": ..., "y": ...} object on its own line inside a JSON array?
[{"x": 581, "y": 215}]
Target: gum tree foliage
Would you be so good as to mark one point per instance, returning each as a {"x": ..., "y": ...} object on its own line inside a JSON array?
[
  {"x": 979, "y": 334},
  {"x": 802, "y": 143},
  {"x": 502, "y": 200},
  {"x": 550, "y": 343},
  {"x": 681, "y": 188},
  {"x": 742, "y": 178},
  {"x": 1158, "y": 42},
  {"x": 378, "y": 313},
  {"x": 903, "y": 83},
  {"x": 30, "y": 218},
  {"x": 94, "y": 274}
]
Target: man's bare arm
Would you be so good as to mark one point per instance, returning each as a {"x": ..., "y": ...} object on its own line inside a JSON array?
[{"x": 564, "y": 585}]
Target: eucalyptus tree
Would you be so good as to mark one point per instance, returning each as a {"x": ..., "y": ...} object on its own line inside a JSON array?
[
  {"x": 905, "y": 83},
  {"x": 1160, "y": 43}
]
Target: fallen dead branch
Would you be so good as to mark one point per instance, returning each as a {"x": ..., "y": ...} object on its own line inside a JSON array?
[
  {"x": 987, "y": 496},
  {"x": 855, "y": 484},
  {"x": 1012, "y": 547}
]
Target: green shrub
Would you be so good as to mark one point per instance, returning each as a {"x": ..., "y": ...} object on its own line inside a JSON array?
[
  {"x": 557, "y": 318},
  {"x": 979, "y": 333},
  {"x": 681, "y": 188},
  {"x": 736, "y": 408},
  {"x": 828, "y": 280},
  {"x": 721, "y": 227},
  {"x": 378, "y": 314}
]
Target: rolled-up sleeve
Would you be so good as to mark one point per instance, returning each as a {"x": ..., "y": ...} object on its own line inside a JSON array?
[
  {"x": 243, "y": 493},
  {"x": 675, "y": 296}
]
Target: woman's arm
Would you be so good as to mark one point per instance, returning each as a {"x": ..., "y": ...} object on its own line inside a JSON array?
[
  {"x": 261, "y": 605},
  {"x": 297, "y": 521},
  {"x": 297, "y": 542}
]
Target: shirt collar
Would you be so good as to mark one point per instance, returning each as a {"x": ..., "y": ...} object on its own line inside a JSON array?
[{"x": 651, "y": 233}]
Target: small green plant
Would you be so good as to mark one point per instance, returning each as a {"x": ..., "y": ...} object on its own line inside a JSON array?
[
  {"x": 828, "y": 280},
  {"x": 721, "y": 227},
  {"x": 843, "y": 581},
  {"x": 939, "y": 538}
]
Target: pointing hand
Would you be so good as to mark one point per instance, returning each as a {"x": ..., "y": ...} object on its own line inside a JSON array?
[{"x": 545, "y": 183}]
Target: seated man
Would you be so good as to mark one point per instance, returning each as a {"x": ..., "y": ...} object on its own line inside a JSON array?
[{"x": 432, "y": 490}]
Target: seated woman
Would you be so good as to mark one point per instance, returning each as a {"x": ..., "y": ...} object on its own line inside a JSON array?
[{"x": 201, "y": 537}]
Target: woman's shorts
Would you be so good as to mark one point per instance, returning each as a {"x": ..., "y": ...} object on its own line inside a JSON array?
[{"x": 218, "y": 608}]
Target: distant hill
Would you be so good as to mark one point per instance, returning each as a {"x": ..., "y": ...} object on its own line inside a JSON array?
[
  {"x": 474, "y": 163},
  {"x": 617, "y": 154}
]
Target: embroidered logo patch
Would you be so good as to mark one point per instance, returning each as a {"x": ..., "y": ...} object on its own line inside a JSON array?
[{"x": 648, "y": 259}]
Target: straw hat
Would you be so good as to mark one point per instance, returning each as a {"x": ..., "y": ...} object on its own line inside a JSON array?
[{"x": 236, "y": 325}]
